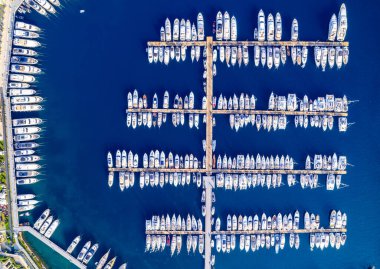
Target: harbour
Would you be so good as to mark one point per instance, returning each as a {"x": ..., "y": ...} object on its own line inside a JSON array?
[
  {"x": 158, "y": 165},
  {"x": 138, "y": 205}
]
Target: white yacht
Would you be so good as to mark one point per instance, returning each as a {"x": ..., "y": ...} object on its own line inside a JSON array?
[
  {"x": 25, "y": 100},
  {"x": 74, "y": 244},
  {"x": 26, "y": 43},
  {"x": 25, "y": 34},
  {"x": 261, "y": 25},
  {"x": 26, "y": 181},
  {"x": 25, "y": 69},
  {"x": 23, "y": 60},
  {"x": 21, "y": 92},
  {"x": 226, "y": 26},
  {"x": 188, "y": 30},
  {"x": 333, "y": 27},
  {"x": 26, "y": 130},
  {"x": 168, "y": 30},
  {"x": 219, "y": 26},
  {"x": 342, "y": 23},
  {"x": 176, "y": 30},
  {"x": 233, "y": 29},
  {"x": 278, "y": 27},
  {"x": 13, "y": 85},
  {"x": 24, "y": 52},
  {"x": 25, "y": 26},
  {"x": 270, "y": 27},
  {"x": 200, "y": 26},
  {"x": 26, "y": 108},
  {"x": 294, "y": 32},
  {"x": 22, "y": 78}
]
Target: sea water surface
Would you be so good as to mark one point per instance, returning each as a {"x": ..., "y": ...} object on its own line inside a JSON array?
[{"x": 92, "y": 60}]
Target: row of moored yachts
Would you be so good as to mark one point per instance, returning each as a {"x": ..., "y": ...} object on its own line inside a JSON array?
[
  {"x": 271, "y": 179},
  {"x": 277, "y": 226},
  {"x": 225, "y": 28},
  {"x": 160, "y": 242},
  {"x": 26, "y": 130},
  {"x": 43, "y": 7},
  {"x": 244, "y": 102},
  {"x": 23, "y": 69}
]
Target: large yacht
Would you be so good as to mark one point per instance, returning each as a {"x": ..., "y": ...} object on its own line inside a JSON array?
[
  {"x": 219, "y": 26},
  {"x": 26, "y": 100},
  {"x": 23, "y": 60},
  {"x": 294, "y": 30},
  {"x": 21, "y": 92},
  {"x": 26, "y": 43},
  {"x": 21, "y": 78},
  {"x": 261, "y": 25},
  {"x": 200, "y": 26},
  {"x": 333, "y": 27},
  {"x": 25, "y": 69},
  {"x": 25, "y": 34},
  {"x": 73, "y": 244},
  {"x": 26, "y": 108},
  {"x": 278, "y": 27},
  {"x": 226, "y": 26},
  {"x": 25, "y": 26},
  {"x": 24, "y": 52},
  {"x": 26, "y": 122},
  {"x": 342, "y": 23}
]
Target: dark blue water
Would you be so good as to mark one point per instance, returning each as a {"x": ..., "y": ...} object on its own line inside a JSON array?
[{"x": 92, "y": 60}]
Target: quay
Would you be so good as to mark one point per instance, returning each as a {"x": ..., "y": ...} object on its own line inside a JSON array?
[
  {"x": 52, "y": 245},
  {"x": 248, "y": 43},
  {"x": 239, "y": 111},
  {"x": 297, "y": 231},
  {"x": 6, "y": 46},
  {"x": 229, "y": 171}
]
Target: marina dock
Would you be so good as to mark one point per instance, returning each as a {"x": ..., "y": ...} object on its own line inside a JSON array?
[
  {"x": 52, "y": 245},
  {"x": 229, "y": 171},
  {"x": 248, "y": 43},
  {"x": 252, "y": 232},
  {"x": 6, "y": 46},
  {"x": 209, "y": 180},
  {"x": 239, "y": 111}
]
